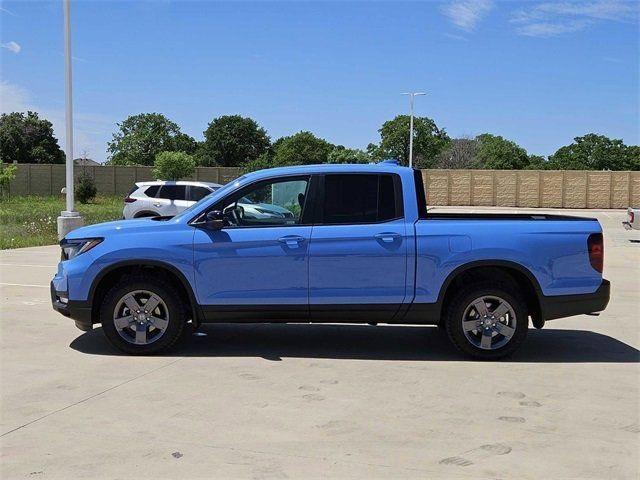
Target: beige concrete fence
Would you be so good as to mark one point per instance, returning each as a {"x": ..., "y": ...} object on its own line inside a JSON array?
[
  {"x": 533, "y": 188},
  {"x": 110, "y": 180},
  {"x": 504, "y": 188}
]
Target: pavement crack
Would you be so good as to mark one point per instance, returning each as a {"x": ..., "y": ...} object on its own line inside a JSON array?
[{"x": 90, "y": 397}]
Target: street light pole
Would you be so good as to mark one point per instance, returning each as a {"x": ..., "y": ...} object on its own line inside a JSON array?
[
  {"x": 69, "y": 218},
  {"x": 412, "y": 96}
]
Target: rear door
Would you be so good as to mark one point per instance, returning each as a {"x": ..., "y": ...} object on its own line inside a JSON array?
[{"x": 358, "y": 249}]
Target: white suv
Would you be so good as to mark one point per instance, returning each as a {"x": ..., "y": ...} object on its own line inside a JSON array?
[{"x": 165, "y": 198}]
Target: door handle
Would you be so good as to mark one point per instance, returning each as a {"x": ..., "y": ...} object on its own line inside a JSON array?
[
  {"x": 291, "y": 240},
  {"x": 387, "y": 237}
]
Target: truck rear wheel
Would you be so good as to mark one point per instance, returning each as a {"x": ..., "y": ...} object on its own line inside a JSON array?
[
  {"x": 142, "y": 315},
  {"x": 487, "y": 320}
]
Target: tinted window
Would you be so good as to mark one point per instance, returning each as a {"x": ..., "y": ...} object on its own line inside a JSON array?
[
  {"x": 421, "y": 198},
  {"x": 173, "y": 192},
  {"x": 152, "y": 191},
  {"x": 198, "y": 193},
  {"x": 359, "y": 199},
  {"x": 267, "y": 203}
]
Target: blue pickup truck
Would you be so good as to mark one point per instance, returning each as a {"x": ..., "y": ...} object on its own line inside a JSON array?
[{"x": 346, "y": 243}]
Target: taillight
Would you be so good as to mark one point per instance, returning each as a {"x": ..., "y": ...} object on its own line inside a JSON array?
[
  {"x": 129, "y": 199},
  {"x": 596, "y": 251},
  {"x": 632, "y": 216}
]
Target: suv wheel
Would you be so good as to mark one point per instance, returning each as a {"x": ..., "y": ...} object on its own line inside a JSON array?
[
  {"x": 487, "y": 321},
  {"x": 143, "y": 315}
]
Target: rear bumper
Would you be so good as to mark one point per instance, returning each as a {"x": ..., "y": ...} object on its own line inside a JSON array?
[
  {"x": 560, "y": 306},
  {"x": 78, "y": 311}
]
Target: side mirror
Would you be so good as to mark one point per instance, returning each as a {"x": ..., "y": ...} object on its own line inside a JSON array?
[{"x": 215, "y": 220}]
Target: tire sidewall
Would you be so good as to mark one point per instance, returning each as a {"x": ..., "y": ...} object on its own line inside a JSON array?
[
  {"x": 461, "y": 302},
  {"x": 168, "y": 295}
]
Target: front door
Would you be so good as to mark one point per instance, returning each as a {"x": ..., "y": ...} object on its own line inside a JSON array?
[
  {"x": 358, "y": 251},
  {"x": 256, "y": 267}
]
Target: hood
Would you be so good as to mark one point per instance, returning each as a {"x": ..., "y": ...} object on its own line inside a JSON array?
[{"x": 116, "y": 228}]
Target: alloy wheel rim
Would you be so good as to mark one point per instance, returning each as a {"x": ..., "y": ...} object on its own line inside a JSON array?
[
  {"x": 489, "y": 322},
  {"x": 141, "y": 317}
]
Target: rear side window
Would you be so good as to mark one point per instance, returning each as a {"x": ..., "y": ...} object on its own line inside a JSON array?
[
  {"x": 173, "y": 192},
  {"x": 152, "y": 191},
  {"x": 359, "y": 198},
  {"x": 198, "y": 193}
]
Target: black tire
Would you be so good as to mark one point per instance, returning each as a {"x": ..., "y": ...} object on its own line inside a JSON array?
[
  {"x": 456, "y": 308},
  {"x": 177, "y": 316}
]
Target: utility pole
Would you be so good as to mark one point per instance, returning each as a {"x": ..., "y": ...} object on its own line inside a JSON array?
[
  {"x": 412, "y": 96},
  {"x": 69, "y": 219}
]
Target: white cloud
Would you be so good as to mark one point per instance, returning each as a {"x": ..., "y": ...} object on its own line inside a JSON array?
[
  {"x": 11, "y": 46},
  {"x": 5, "y": 10},
  {"x": 90, "y": 130},
  {"x": 467, "y": 13},
  {"x": 455, "y": 37},
  {"x": 548, "y": 19},
  {"x": 12, "y": 98}
]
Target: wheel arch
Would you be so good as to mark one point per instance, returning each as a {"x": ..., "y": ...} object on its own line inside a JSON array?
[
  {"x": 518, "y": 273},
  {"x": 109, "y": 275},
  {"x": 146, "y": 213}
]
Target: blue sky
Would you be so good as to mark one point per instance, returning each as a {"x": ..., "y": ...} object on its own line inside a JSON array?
[{"x": 539, "y": 73}]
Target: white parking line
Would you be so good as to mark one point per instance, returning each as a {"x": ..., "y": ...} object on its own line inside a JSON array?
[
  {"x": 21, "y": 265},
  {"x": 22, "y": 285}
]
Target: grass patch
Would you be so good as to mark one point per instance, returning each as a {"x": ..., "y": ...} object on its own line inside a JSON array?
[{"x": 31, "y": 221}]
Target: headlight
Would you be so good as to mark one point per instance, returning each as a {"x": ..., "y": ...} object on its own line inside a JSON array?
[{"x": 73, "y": 248}]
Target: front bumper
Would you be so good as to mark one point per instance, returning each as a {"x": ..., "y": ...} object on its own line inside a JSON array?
[
  {"x": 78, "y": 311},
  {"x": 560, "y": 306}
]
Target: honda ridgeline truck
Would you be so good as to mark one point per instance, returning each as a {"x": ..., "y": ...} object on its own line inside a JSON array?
[{"x": 350, "y": 244}]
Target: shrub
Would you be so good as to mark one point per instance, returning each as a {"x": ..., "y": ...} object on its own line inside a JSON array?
[
  {"x": 173, "y": 165},
  {"x": 7, "y": 173},
  {"x": 86, "y": 189}
]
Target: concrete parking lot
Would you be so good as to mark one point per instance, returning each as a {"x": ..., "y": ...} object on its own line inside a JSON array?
[{"x": 320, "y": 401}]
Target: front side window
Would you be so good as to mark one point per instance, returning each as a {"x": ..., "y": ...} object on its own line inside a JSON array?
[
  {"x": 173, "y": 192},
  {"x": 356, "y": 198},
  {"x": 271, "y": 203}
]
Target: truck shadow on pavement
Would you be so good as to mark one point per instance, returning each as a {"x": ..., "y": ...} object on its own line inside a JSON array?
[{"x": 364, "y": 342}]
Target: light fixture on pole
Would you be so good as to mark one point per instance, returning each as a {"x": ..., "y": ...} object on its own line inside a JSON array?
[
  {"x": 69, "y": 218},
  {"x": 412, "y": 96}
]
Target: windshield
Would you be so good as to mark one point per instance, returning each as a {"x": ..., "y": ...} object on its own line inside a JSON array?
[{"x": 219, "y": 191}]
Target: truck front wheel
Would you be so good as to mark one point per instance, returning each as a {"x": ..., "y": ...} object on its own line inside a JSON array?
[
  {"x": 487, "y": 320},
  {"x": 142, "y": 315}
]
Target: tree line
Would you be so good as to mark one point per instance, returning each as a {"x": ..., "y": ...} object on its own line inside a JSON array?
[{"x": 237, "y": 141}]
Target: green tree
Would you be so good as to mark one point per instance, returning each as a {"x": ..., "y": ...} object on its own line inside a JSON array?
[
  {"x": 596, "y": 152},
  {"x": 85, "y": 188},
  {"x": 428, "y": 141},
  {"x": 26, "y": 138},
  {"x": 173, "y": 165},
  {"x": 537, "y": 162},
  {"x": 141, "y": 137},
  {"x": 341, "y": 154},
  {"x": 303, "y": 148},
  {"x": 7, "y": 174},
  {"x": 232, "y": 140},
  {"x": 497, "y": 153}
]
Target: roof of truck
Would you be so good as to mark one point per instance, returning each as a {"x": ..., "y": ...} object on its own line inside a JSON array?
[{"x": 382, "y": 167}]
